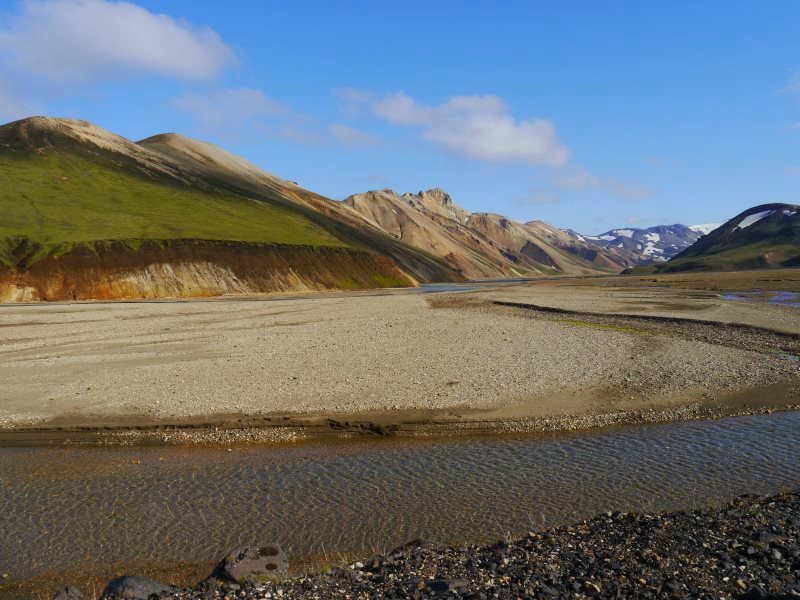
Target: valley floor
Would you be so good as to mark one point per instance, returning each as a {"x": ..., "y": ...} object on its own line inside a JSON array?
[{"x": 614, "y": 350}]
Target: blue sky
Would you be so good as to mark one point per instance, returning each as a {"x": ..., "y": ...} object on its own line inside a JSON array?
[{"x": 588, "y": 115}]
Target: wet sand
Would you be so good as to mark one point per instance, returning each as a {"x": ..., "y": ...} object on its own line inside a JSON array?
[{"x": 281, "y": 369}]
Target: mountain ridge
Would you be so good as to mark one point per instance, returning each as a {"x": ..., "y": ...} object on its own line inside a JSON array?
[
  {"x": 481, "y": 244},
  {"x": 762, "y": 237},
  {"x": 652, "y": 244},
  {"x": 78, "y": 199}
]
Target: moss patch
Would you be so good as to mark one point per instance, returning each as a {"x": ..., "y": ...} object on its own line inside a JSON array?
[
  {"x": 620, "y": 328},
  {"x": 52, "y": 201}
]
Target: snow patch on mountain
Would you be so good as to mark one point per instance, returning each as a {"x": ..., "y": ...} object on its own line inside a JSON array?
[
  {"x": 655, "y": 244},
  {"x": 705, "y": 228},
  {"x": 752, "y": 219}
]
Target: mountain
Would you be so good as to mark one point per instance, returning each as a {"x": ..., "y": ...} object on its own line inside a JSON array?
[
  {"x": 654, "y": 244},
  {"x": 481, "y": 245},
  {"x": 705, "y": 228},
  {"x": 89, "y": 214},
  {"x": 765, "y": 236}
]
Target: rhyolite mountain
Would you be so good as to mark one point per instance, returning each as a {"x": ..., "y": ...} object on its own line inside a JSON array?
[
  {"x": 482, "y": 245},
  {"x": 654, "y": 244},
  {"x": 765, "y": 236},
  {"x": 89, "y": 214}
]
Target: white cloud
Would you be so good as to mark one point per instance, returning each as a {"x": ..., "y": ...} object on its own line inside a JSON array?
[
  {"x": 792, "y": 171},
  {"x": 353, "y": 137},
  {"x": 237, "y": 113},
  {"x": 69, "y": 41},
  {"x": 479, "y": 127},
  {"x": 793, "y": 126},
  {"x": 228, "y": 108},
  {"x": 581, "y": 180}
]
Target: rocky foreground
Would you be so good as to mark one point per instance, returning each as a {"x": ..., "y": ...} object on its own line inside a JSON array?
[{"x": 749, "y": 549}]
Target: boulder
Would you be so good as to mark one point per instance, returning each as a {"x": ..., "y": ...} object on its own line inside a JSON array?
[
  {"x": 69, "y": 593},
  {"x": 135, "y": 588},
  {"x": 442, "y": 587},
  {"x": 254, "y": 564}
]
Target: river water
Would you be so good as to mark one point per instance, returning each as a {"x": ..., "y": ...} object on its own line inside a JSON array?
[{"x": 71, "y": 507}]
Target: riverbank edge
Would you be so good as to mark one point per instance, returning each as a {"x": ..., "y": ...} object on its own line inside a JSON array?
[
  {"x": 746, "y": 548},
  {"x": 289, "y": 429}
]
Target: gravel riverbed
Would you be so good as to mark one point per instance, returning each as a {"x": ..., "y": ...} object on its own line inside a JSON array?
[{"x": 749, "y": 548}]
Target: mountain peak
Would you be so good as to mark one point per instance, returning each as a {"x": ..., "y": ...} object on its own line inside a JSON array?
[
  {"x": 764, "y": 236},
  {"x": 45, "y": 122},
  {"x": 39, "y": 133},
  {"x": 202, "y": 156},
  {"x": 31, "y": 129},
  {"x": 437, "y": 201}
]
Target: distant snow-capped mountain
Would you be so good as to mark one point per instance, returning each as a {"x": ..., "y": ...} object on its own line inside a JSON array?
[
  {"x": 762, "y": 237},
  {"x": 654, "y": 244},
  {"x": 705, "y": 228}
]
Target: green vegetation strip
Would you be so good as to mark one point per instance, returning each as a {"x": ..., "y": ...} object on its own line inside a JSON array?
[
  {"x": 606, "y": 326},
  {"x": 59, "y": 200}
]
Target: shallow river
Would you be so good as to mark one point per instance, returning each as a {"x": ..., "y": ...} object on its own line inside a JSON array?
[{"x": 74, "y": 507}]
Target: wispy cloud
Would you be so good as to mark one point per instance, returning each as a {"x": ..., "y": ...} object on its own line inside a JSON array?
[
  {"x": 484, "y": 128},
  {"x": 792, "y": 126},
  {"x": 236, "y": 113},
  {"x": 478, "y": 127},
  {"x": 580, "y": 179},
  {"x": 81, "y": 40},
  {"x": 245, "y": 113},
  {"x": 792, "y": 171},
  {"x": 228, "y": 108},
  {"x": 352, "y": 101},
  {"x": 353, "y": 137}
]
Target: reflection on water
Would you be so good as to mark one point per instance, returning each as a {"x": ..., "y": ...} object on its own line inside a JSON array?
[
  {"x": 471, "y": 286},
  {"x": 64, "y": 508},
  {"x": 778, "y": 297}
]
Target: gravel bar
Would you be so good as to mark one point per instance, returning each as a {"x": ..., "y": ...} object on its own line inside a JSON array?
[{"x": 746, "y": 549}]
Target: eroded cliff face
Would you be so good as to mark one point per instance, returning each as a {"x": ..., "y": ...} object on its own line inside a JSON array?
[{"x": 194, "y": 268}]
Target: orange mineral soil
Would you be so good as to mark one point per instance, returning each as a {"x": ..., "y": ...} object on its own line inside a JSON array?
[{"x": 194, "y": 268}]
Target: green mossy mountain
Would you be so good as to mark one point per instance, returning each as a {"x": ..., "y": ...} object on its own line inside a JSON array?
[
  {"x": 763, "y": 237},
  {"x": 70, "y": 189}
]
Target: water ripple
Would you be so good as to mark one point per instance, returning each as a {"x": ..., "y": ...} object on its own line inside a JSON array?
[{"x": 65, "y": 508}]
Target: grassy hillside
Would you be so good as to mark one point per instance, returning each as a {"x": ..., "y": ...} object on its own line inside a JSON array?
[
  {"x": 771, "y": 240},
  {"x": 745, "y": 257},
  {"x": 57, "y": 200}
]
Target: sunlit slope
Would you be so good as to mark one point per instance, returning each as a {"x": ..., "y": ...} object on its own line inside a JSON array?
[
  {"x": 87, "y": 214},
  {"x": 59, "y": 199},
  {"x": 762, "y": 237}
]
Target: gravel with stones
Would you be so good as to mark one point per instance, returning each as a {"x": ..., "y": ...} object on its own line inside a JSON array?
[
  {"x": 155, "y": 362},
  {"x": 749, "y": 548}
]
